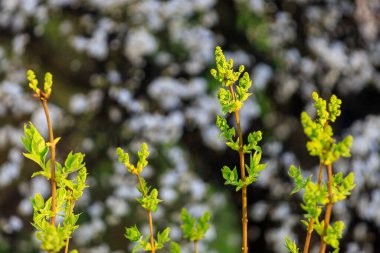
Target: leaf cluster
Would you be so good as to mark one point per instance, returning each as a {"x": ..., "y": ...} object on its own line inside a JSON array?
[
  {"x": 225, "y": 74},
  {"x": 142, "y": 159},
  {"x": 333, "y": 233},
  {"x": 149, "y": 201},
  {"x": 342, "y": 186},
  {"x": 192, "y": 228},
  {"x": 232, "y": 100},
  {"x": 69, "y": 190},
  {"x": 323, "y": 145},
  {"x": 291, "y": 245},
  {"x": 253, "y": 169},
  {"x": 316, "y": 197},
  {"x": 320, "y": 133},
  {"x": 134, "y": 235}
]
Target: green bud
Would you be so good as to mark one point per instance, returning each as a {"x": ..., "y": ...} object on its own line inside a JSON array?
[
  {"x": 133, "y": 234},
  {"x": 48, "y": 84}
]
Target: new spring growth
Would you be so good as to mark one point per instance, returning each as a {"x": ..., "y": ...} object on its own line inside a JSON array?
[
  {"x": 232, "y": 102},
  {"x": 33, "y": 84},
  {"x": 69, "y": 180},
  {"x": 149, "y": 201},
  {"x": 231, "y": 95},
  {"x": 320, "y": 133},
  {"x": 318, "y": 197},
  {"x": 227, "y": 77},
  {"x": 52, "y": 237},
  {"x": 291, "y": 245},
  {"x": 194, "y": 229}
]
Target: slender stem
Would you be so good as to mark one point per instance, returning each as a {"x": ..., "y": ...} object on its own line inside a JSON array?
[
  {"x": 52, "y": 171},
  {"x": 196, "y": 246},
  {"x": 153, "y": 250},
  {"x": 242, "y": 175},
  {"x": 72, "y": 203},
  {"x": 329, "y": 207},
  {"x": 311, "y": 223}
]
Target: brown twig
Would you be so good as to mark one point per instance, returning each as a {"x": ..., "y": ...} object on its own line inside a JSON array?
[
  {"x": 329, "y": 207},
  {"x": 196, "y": 246},
  {"x": 72, "y": 203},
  {"x": 153, "y": 247},
  {"x": 242, "y": 175},
  {"x": 311, "y": 223},
  {"x": 52, "y": 171}
]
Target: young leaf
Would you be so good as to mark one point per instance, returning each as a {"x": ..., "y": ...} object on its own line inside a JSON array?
[
  {"x": 133, "y": 234},
  {"x": 192, "y": 229},
  {"x": 74, "y": 162},
  {"x": 162, "y": 238},
  {"x": 175, "y": 248},
  {"x": 291, "y": 246}
]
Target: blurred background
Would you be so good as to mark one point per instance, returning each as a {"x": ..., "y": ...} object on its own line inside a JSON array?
[{"x": 128, "y": 71}]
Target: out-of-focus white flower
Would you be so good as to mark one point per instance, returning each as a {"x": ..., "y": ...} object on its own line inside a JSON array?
[
  {"x": 210, "y": 137},
  {"x": 9, "y": 171},
  {"x": 88, "y": 231},
  {"x": 117, "y": 206},
  {"x": 96, "y": 210},
  {"x": 14, "y": 224},
  {"x": 261, "y": 75},
  {"x": 139, "y": 43},
  {"x": 158, "y": 128},
  {"x": 169, "y": 195},
  {"x": 103, "y": 248},
  {"x": 333, "y": 54},
  {"x": 78, "y": 104},
  {"x": 259, "y": 211}
]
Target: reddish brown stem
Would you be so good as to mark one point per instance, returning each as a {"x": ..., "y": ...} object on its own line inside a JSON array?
[
  {"x": 242, "y": 175},
  {"x": 52, "y": 169},
  {"x": 329, "y": 207},
  {"x": 153, "y": 250},
  {"x": 311, "y": 223}
]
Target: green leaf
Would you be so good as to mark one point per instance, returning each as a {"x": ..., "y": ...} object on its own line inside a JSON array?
[
  {"x": 162, "y": 238},
  {"x": 227, "y": 132},
  {"x": 192, "y": 229},
  {"x": 253, "y": 140},
  {"x": 342, "y": 187},
  {"x": 45, "y": 174},
  {"x": 175, "y": 248},
  {"x": 34, "y": 144},
  {"x": 334, "y": 233},
  {"x": 133, "y": 234},
  {"x": 231, "y": 176},
  {"x": 233, "y": 145},
  {"x": 74, "y": 162},
  {"x": 150, "y": 201},
  {"x": 291, "y": 245},
  {"x": 51, "y": 238},
  {"x": 298, "y": 179},
  {"x": 38, "y": 202}
]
